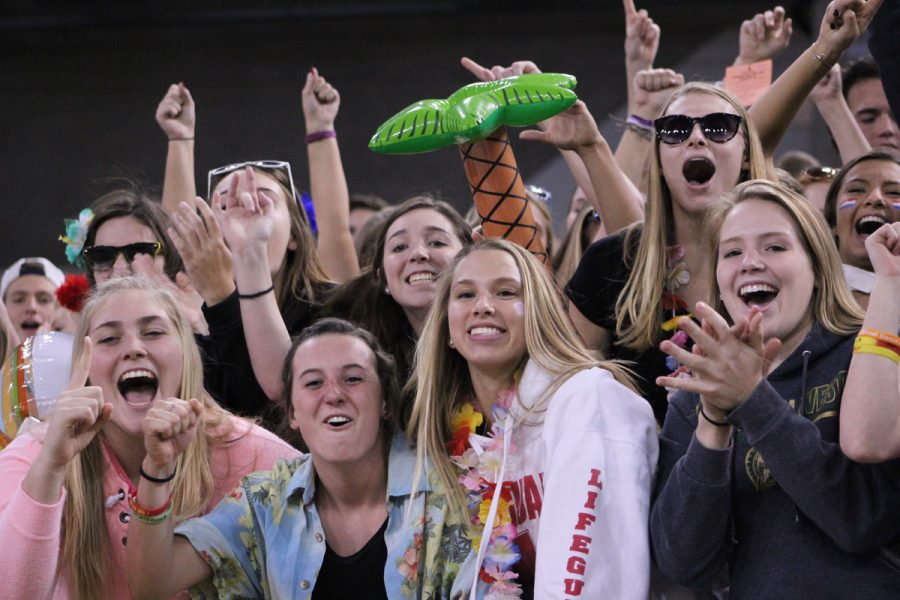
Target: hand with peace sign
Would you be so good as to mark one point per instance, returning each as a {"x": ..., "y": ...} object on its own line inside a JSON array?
[{"x": 79, "y": 415}]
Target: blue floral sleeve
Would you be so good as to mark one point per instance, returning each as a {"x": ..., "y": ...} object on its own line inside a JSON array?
[{"x": 227, "y": 539}]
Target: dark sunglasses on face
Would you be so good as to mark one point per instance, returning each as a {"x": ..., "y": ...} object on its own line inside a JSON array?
[
  {"x": 716, "y": 127},
  {"x": 216, "y": 175},
  {"x": 102, "y": 258}
]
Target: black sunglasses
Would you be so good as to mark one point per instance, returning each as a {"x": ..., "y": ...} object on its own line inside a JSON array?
[
  {"x": 102, "y": 258},
  {"x": 716, "y": 127}
]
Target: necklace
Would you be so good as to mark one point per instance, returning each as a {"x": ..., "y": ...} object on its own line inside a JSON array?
[{"x": 479, "y": 459}]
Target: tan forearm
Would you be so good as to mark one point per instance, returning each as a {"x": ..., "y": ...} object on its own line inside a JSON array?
[
  {"x": 179, "y": 183},
  {"x": 618, "y": 201},
  {"x": 331, "y": 199},
  {"x": 870, "y": 406}
]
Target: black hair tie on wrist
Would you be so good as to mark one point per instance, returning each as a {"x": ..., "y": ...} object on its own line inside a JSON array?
[
  {"x": 157, "y": 479},
  {"x": 716, "y": 423},
  {"x": 256, "y": 294}
]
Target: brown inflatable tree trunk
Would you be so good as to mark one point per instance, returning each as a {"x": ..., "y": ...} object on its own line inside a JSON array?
[{"x": 499, "y": 192}]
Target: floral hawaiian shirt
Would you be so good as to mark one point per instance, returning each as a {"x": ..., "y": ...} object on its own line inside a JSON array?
[{"x": 265, "y": 540}]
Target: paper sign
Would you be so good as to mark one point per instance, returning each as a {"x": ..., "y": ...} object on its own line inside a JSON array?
[{"x": 748, "y": 82}]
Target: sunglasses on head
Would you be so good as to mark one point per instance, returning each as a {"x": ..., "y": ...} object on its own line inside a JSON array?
[
  {"x": 102, "y": 258},
  {"x": 716, "y": 127},
  {"x": 814, "y": 174},
  {"x": 217, "y": 174}
]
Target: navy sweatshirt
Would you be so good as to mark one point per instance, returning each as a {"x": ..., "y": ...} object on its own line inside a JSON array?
[{"x": 782, "y": 506}]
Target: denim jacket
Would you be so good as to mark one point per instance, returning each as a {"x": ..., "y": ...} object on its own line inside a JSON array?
[{"x": 265, "y": 539}]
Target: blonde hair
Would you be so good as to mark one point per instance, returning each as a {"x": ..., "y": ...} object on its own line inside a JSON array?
[
  {"x": 86, "y": 541},
  {"x": 441, "y": 379},
  {"x": 638, "y": 312},
  {"x": 833, "y": 303}
]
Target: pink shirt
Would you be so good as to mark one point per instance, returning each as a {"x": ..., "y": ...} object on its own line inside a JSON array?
[{"x": 31, "y": 532}]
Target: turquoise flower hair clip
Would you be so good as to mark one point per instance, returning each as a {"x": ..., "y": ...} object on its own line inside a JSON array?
[{"x": 76, "y": 232}]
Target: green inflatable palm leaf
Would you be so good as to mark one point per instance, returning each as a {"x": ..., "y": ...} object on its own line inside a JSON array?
[{"x": 473, "y": 112}]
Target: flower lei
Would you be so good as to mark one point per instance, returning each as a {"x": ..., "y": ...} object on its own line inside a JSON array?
[
  {"x": 76, "y": 232},
  {"x": 480, "y": 464},
  {"x": 677, "y": 276}
]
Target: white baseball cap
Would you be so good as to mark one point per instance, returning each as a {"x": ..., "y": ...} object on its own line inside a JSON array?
[{"x": 31, "y": 266}]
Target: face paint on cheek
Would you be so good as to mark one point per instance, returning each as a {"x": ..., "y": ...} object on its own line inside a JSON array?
[
  {"x": 896, "y": 205},
  {"x": 847, "y": 204}
]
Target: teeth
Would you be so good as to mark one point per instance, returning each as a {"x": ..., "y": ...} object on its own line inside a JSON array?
[
  {"x": 136, "y": 373},
  {"x": 757, "y": 287},
  {"x": 872, "y": 219},
  {"x": 485, "y": 331},
  {"x": 419, "y": 277},
  {"x": 337, "y": 420}
]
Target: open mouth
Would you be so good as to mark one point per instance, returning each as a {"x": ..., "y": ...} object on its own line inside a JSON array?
[
  {"x": 421, "y": 277},
  {"x": 757, "y": 294},
  {"x": 869, "y": 224},
  {"x": 30, "y": 327},
  {"x": 698, "y": 170},
  {"x": 138, "y": 387},
  {"x": 338, "y": 421}
]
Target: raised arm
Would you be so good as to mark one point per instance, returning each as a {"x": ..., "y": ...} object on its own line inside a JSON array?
[
  {"x": 844, "y": 20},
  {"x": 246, "y": 218},
  {"x": 176, "y": 115},
  {"x": 328, "y": 186},
  {"x": 618, "y": 200},
  {"x": 158, "y": 564},
  {"x": 641, "y": 44},
  {"x": 870, "y": 407},
  {"x": 833, "y": 107},
  {"x": 652, "y": 88},
  {"x": 764, "y": 36}
]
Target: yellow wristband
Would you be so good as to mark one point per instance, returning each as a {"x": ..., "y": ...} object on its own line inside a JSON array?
[{"x": 873, "y": 349}]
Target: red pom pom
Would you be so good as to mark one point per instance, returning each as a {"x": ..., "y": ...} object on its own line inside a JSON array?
[{"x": 73, "y": 292}]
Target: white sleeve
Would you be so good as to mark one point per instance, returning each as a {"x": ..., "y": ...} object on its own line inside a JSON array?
[{"x": 600, "y": 449}]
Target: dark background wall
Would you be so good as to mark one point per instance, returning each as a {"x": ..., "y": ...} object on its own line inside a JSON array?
[{"x": 80, "y": 85}]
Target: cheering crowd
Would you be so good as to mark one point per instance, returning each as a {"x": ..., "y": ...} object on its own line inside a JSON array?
[{"x": 696, "y": 397}]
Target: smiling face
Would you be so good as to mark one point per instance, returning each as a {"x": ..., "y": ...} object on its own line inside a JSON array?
[
  {"x": 763, "y": 262},
  {"x": 418, "y": 247},
  {"x": 280, "y": 240},
  {"x": 697, "y": 170},
  {"x": 30, "y": 302},
  {"x": 868, "y": 198},
  {"x": 121, "y": 231},
  {"x": 137, "y": 357},
  {"x": 336, "y": 399},
  {"x": 486, "y": 313}
]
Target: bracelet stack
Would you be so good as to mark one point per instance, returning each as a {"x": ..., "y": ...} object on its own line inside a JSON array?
[
  {"x": 640, "y": 126},
  {"x": 881, "y": 343},
  {"x": 149, "y": 516}
]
